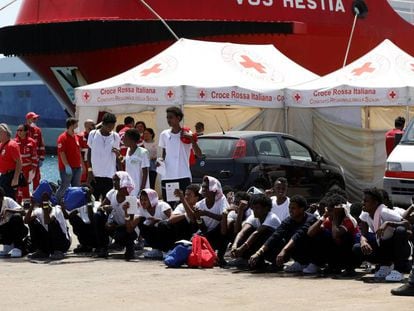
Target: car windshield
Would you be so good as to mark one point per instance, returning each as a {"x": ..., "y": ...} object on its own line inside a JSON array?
[
  {"x": 217, "y": 147},
  {"x": 408, "y": 137}
]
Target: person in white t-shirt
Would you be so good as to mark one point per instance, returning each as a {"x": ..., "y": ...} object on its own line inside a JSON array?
[
  {"x": 176, "y": 144},
  {"x": 256, "y": 229},
  {"x": 208, "y": 214},
  {"x": 137, "y": 161},
  {"x": 115, "y": 218},
  {"x": 12, "y": 228},
  {"x": 384, "y": 237},
  {"x": 151, "y": 213},
  {"x": 280, "y": 201},
  {"x": 48, "y": 230},
  {"x": 104, "y": 146}
]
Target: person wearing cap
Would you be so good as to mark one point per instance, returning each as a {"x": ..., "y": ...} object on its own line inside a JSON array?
[
  {"x": 89, "y": 125},
  {"x": 28, "y": 152},
  {"x": 10, "y": 162},
  {"x": 36, "y": 133},
  {"x": 69, "y": 158}
]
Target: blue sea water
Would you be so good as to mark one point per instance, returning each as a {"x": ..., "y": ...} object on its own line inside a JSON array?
[{"x": 49, "y": 169}]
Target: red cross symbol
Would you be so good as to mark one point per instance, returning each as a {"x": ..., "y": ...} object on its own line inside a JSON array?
[
  {"x": 202, "y": 94},
  {"x": 170, "y": 94},
  {"x": 412, "y": 67},
  {"x": 154, "y": 69},
  {"x": 297, "y": 97},
  {"x": 392, "y": 95},
  {"x": 249, "y": 63},
  {"x": 86, "y": 95},
  {"x": 365, "y": 68}
]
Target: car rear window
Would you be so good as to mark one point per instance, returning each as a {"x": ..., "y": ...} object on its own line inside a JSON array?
[{"x": 217, "y": 147}]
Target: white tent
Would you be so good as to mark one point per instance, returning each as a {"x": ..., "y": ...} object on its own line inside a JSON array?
[
  {"x": 352, "y": 109},
  {"x": 197, "y": 73},
  {"x": 382, "y": 77}
]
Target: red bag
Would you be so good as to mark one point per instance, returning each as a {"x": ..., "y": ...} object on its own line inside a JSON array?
[{"x": 202, "y": 254}]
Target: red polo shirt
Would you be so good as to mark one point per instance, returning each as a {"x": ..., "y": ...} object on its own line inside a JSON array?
[
  {"x": 9, "y": 154},
  {"x": 70, "y": 146},
  {"x": 390, "y": 140}
]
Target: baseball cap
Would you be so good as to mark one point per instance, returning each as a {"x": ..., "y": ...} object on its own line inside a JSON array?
[{"x": 32, "y": 115}]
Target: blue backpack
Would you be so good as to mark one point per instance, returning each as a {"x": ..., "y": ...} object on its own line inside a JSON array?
[
  {"x": 43, "y": 187},
  {"x": 74, "y": 198},
  {"x": 177, "y": 256}
]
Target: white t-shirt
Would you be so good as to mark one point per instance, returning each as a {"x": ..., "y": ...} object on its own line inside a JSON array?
[
  {"x": 386, "y": 215},
  {"x": 218, "y": 208},
  {"x": 180, "y": 210},
  {"x": 55, "y": 212},
  {"x": 271, "y": 221},
  {"x": 10, "y": 204},
  {"x": 281, "y": 211},
  {"x": 399, "y": 210},
  {"x": 232, "y": 216},
  {"x": 102, "y": 158},
  {"x": 177, "y": 155},
  {"x": 134, "y": 165},
  {"x": 158, "y": 214},
  {"x": 118, "y": 214}
]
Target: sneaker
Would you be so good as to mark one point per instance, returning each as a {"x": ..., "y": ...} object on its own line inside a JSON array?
[
  {"x": 129, "y": 253},
  {"x": 311, "y": 269},
  {"x": 82, "y": 249},
  {"x": 6, "y": 250},
  {"x": 294, "y": 268},
  {"x": 238, "y": 262},
  {"x": 38, "y": 255},
  {"x": 101, "y": 253},
  {"x": 403, "y": 290},
  {"x": 154, "y": 254},
  {"x": 382, "y": 272},
  {"x": 15, "y": 253},
  {"x": 57, "y": 255},
  {"x": 394, "y": 276}
]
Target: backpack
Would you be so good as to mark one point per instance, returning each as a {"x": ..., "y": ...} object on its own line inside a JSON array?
[
  {"x": 74, "y": 198},
  {"x": 202, "y": 254},
  {"x": 44, "y": 186},
  {"x": 177, "y": 256}
]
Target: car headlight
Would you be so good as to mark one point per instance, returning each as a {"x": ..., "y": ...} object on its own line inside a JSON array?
[{"x": 394, "y": 167}]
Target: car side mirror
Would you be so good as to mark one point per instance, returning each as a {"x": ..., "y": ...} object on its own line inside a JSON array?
[{"x": 319, "y": 158}]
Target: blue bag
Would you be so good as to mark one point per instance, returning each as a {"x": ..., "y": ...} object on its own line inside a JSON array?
[
  {"x": 74, "y": 198},
  {"x": 177, "y": 256},
  {"x": 43, "y": 187}
]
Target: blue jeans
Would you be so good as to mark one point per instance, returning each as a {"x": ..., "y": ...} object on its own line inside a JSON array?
[{"x": 67, "y": 181}]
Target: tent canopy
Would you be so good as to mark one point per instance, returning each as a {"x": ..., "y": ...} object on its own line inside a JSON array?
[
  {"x": 200, "y": 72},
  {"x": 382, "y": 77}
]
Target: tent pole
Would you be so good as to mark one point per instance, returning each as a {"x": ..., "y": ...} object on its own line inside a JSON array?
[{"x": 286, "y": 119}]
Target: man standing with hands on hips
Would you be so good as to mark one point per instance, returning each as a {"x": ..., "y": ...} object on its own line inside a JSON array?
[{"x": 176, "y": 144}]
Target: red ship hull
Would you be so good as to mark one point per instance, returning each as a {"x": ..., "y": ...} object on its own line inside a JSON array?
[{"x": 104, "y": 38}]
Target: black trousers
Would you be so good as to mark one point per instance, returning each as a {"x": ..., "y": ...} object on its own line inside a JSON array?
[
  {"x": 337, "y": 254},
  {"x": 164, "y": 235},
  {"x": 152, "y": 178},
  {"x": 101, "y": 187},
  {"x": 395, "y": 250},
  {"x": 13, "y": 232},
  {"x": 5, "y": 183},
  {"x": 85, "y": 232},
  {"x": 183, "y": 182},
  {"x": 119, "y": 234},
  {"x": 48, "y": 241},
  {"x": 301, "y": 252}
]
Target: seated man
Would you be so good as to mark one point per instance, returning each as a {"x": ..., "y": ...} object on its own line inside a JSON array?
[
  {"x": 280, "y": 200},
  {"x": 208, "y": 213},
  {"x": 48, "y": 230},
  {"x": 151, "y": 214},
  {"x": 81, "y": 222},
  {"x": 115, "y": 217},
  {"x": 290, "y": 240},
  {"x": 256, "y": 229},
  {"x": 384, "y": 238},
  {"x": 12, "y": 228},
  {"x": 236, "y": 214},
  {"x": 334, "y": 235}
]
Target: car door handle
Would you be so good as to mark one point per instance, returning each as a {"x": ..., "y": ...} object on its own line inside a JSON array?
[{"x": 224, "y": 173}]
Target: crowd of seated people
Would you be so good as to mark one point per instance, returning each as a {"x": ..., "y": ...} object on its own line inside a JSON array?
[{"x": 265, "y": 230}]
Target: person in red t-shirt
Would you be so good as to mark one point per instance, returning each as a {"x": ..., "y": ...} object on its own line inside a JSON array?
[
  {"x": 390, "y": 142},
  {"x": 334, "y": 235},
  {"x": 10, "y": 162},
  {"x": 28, "y": 152},
  {"x": 36, "y": 133},
  {"x": 83, "y": 142},
  {"x": 69, "y": 158},
  {"x": 128, "y": 124}
]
